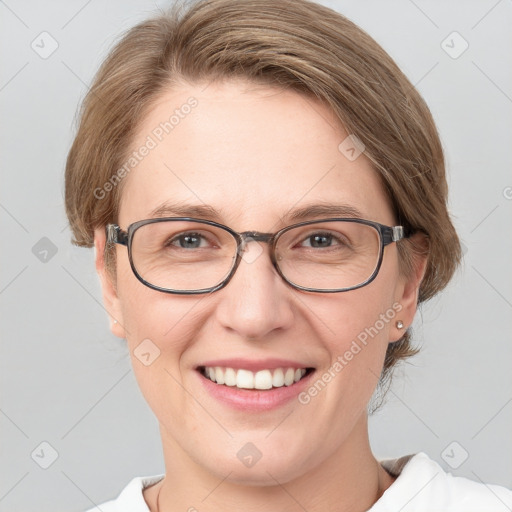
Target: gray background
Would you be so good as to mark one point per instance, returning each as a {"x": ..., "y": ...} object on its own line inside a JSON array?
[{"x": 67, "y": 381}]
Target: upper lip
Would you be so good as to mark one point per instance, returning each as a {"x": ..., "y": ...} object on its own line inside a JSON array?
[{"x": 254, "y": 365}]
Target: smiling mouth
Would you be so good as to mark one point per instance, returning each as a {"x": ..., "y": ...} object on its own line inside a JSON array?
[{"x": 260, "y": 380}]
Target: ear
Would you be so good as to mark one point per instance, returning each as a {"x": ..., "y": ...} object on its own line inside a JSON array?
[
  {"x": 110, "y": 298},
  {"x": 407, "y": 291}
]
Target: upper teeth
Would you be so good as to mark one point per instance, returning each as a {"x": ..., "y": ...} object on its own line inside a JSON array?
[{"x": 245, "y": 379}]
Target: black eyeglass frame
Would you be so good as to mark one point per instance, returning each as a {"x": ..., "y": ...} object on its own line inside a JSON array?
[{"x": 387, "y": 235}]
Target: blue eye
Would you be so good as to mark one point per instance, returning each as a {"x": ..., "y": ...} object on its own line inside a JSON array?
[
  {"x": 188, "y": 241},
  {"x": 322, "y": 240}
]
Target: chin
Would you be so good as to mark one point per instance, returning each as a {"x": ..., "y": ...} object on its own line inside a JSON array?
[{"x": 246, "y": 465}]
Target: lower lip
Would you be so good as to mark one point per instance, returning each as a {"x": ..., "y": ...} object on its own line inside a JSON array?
[{"x": 253, "y": 399}]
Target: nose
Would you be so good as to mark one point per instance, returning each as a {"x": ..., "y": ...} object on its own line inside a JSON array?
[{"x": 256, "y": 301}]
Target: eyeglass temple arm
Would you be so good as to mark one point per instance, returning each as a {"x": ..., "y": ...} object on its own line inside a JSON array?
[
  {"x": 393, "y": 234},
  {"x": 115, "y": 235}
]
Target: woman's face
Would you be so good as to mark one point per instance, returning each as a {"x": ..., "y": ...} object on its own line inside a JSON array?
[{"x": 254, "y": 154}]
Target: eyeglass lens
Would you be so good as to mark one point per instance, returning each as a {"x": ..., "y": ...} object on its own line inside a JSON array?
[{"x": 184, "y": 255}]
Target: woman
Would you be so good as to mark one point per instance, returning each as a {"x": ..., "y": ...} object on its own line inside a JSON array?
[{"x": 266, "y": 194}]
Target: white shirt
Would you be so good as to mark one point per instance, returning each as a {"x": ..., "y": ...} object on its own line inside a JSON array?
[{"x": 421, "y": 486}]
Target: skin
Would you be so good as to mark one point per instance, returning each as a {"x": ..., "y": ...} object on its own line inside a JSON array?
[{"x": 253, "y": 152}]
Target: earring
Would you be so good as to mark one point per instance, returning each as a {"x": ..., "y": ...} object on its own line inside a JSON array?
[
  {"x": 115, "y": 321},
  {"x": 399, "y": 324}
]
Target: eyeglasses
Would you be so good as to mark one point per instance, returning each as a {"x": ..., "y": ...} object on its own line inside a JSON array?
[{"x": 191, "y": 256}]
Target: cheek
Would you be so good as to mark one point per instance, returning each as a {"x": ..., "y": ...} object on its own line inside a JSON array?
[
  {"x": 159, "y": 328},
  {"x": 360, "y": 325},
  {"x": 150, "y": 314},
  {"x": 364, "y": 316}
]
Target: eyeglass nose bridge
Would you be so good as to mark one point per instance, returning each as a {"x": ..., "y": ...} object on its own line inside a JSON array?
[{"x": 255, "y": 236}]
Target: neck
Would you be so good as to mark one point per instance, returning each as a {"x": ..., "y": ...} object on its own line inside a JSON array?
[{"x": 349, "y": 479}]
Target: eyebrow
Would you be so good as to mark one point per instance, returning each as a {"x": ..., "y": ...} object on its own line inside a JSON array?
[{"x": 207, "y": 212}]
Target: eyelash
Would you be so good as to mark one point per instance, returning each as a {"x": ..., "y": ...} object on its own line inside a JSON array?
[{"x": 339, "y": 239}]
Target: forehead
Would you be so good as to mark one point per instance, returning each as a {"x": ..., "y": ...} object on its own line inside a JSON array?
[{"x": 249, "y": 152}]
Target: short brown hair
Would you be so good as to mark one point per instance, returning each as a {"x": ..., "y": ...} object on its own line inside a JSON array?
[{"x": 293, "y": 44}]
